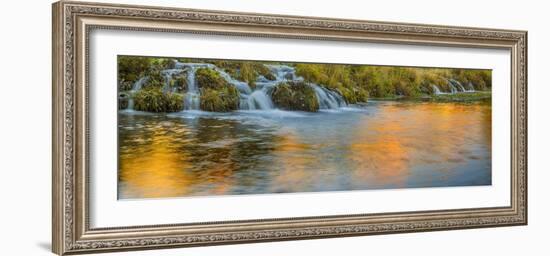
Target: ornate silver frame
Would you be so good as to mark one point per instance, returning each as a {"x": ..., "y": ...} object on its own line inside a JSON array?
[{"x": 72, "y": 22}]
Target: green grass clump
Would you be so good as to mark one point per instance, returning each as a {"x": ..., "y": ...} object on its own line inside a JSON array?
[
  {"x": 295, "y": 96},
  {"x": 154, "y": 100},
  {"x": 462, "y": 97},
  {"x": 209, "y": 78},
  {"x": 217, "y": 95},
  {"x": 219, "y": 100}
]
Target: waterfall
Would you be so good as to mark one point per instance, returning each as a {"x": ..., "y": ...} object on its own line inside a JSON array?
[
  {"x": 136, "y": 87},
  {"x": 168, "y": 74},
  {"x": 258, "y": 98},
  {"x": 458, "y": 85},
  {"x": 455, "y": 87},
  {"x": 191, "y": 101},
  {"x": 327, "y": 99},
  {"x": 436, "y": 90},
  {"x": 471, "y": 87},
  {"x": 452, "y": 86}
]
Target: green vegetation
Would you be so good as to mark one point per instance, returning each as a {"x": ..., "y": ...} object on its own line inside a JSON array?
[
  {"x": 462, "y": 97},
  {"x": 339, "y": 78},
  {"x": 356, "y": 83},
  {"x": 247, "y": 71},
  {"x": 222, "y": 100},
  {"x": 154, "y": 100},
  {"x": 217, "y": 95},
  {"x": 179, "y": 82},
  {"x": 130, "y": 69},
  {"x": 295, "y": 96}
]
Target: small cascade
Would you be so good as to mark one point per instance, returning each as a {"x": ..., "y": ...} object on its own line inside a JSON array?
[
  {"x": 454, "y": 86},
  {"x": 457, "y": 85},
  {"x": 191, "y": 101},
  {"x": 259, "y": 100},
  {"x": 136, "y": 87},
  {"x": 436, "y": 90},
  {"x": 328, "y": 99},
  {"x": 470, "y": 87},
  {"x": 168, "y": 74}
]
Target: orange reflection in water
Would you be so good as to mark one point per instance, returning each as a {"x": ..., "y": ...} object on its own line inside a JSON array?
[
  {"x": 156, "y": 170},
  {"x": 394, "y": 145},
  {"x": 293, "y": 164},
  {"x": 404, "y": 136}
]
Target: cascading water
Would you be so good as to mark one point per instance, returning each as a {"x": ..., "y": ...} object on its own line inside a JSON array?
[
  {"x": 454, "y": 86},
  {"x": 257, "y": 99},
  {"x": 457, "y": 85},
  {"x": 136, "y": 87},
  {"x": 191, "y": 101},
  {"x": 327, "y": 99},
  {"x": 168, "y": 74},
  {"x": 436, "y": 90}
]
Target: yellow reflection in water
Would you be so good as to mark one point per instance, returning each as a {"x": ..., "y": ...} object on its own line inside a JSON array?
[
  {"x": 293, "y": 165},
  {"x": 156, "y": 171},
  {"x": 400, "y": 137}
]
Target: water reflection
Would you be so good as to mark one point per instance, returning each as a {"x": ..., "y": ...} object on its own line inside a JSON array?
[{"x": 382, "y": 145}]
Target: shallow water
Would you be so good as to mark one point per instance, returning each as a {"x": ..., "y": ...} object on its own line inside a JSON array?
[{"x": 378, "y": 146}]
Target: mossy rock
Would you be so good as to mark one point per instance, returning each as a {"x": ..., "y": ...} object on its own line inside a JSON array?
[
  {"x": 225, "y": 99},
  {"x": 210, "y": 79},
  {"x": 123, "y": 100},
  {"x": 217, "y": 95},
  {"x": 179, "y": 82},
  {"x": 125, "y": 85},
  {"x": 295, "y": 96},
  {"x": 154, "y": 100},
  {"x": 155, "y": 80},
  {"x": 270, "y": 76}
]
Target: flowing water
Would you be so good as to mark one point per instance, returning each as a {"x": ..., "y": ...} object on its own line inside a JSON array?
[{"x": 380, "y": 145}]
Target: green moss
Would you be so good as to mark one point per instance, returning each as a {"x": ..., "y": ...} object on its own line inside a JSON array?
[
  {"x": 153, "y": 100},
  {"x": 156, "y": 79},
  {"x": 247, "y": 71},
  {"x": 124, "y": 85},
  {"x": 209, "y": 78},
  {"x": 219, "y": 100},
  {"x": 270, "y": 76},
  {"x": 179, "y": 82},
  {"x": 130, "y": 69},
  {"x": 217, "y": 95},
  {"x": 295, "y": 96},
  {"x": 174, "y": 102}
]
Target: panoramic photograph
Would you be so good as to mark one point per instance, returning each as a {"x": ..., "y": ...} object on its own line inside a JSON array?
[{"x": 213, "y": 127}]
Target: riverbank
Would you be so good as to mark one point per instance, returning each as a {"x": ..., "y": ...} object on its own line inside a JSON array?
[{"x": 464, "y": 97}]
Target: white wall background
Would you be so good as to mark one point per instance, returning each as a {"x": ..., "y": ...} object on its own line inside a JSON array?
[{"x": 25, "y": 140}]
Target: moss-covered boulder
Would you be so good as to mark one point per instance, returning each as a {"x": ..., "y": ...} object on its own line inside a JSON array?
[
  {"x": 209, "y": 78},
  {"x": 154, "y": 100},
  {"x": 155, "y": 79},
  {"x": 217, "y": 95},
  {"x": 179, "y": 82},
  {"x": 219, "y": 100},
  {"x": 270, "y": 76},
  {"x": 123, "y": 100},
  {"x": 295, "y": 96}
]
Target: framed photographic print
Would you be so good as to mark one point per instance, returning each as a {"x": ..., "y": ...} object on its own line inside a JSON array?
[{"x": 179, "y": 127}]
